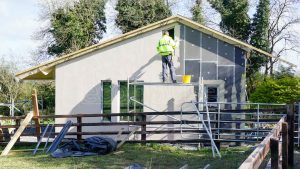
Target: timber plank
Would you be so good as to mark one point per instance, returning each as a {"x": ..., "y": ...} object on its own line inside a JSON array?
[{"x": 23, "y": 125}]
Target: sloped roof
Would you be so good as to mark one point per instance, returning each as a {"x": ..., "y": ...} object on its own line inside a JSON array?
[{"x": 46, "y": 70}]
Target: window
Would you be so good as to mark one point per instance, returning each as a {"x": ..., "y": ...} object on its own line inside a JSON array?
[
  {"x": 212, "y": 96},
  {"x": 106, "y": 99},
  {"x": 171, "y": 33},
  {"x": 135, "y": 91}
]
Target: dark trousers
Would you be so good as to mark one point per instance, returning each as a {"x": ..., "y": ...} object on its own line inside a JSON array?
[{"x": 167, "y": 62}]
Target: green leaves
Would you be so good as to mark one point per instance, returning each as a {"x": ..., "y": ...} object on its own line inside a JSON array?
[
  {"x": 282, "y": 90},
  {"x": 77, "y": 27},
  {"x": 197, "y": 12},
  {"x": 235, "y": 20},
  {"x": 134, "y": 14},
  {"x": 259, "y": 36}
]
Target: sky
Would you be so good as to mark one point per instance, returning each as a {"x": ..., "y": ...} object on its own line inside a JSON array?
[
  {"x": 18, "y": 23},
  {"x": 20, "y": 19}
]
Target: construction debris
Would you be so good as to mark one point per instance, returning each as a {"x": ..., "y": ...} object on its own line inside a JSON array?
[
  {"x": 14, "y": 139},
  {"x": 49, "y": 134},
  {"x": 59, "y": 137},
  {"x": 41, "y": 138},
  {"x": 92, "y": 146}
]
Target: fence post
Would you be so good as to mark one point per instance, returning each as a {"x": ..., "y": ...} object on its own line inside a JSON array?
[
  {"x": 290, "y": 120},
  {"x": 36, "y": 113},
  {"x": 79, "y": 128},
  {"x": 284, "y": 145},
  {"x": 143, "y": 129},
  {"x": 1, "y": 136},
  {"x": 18, "y": 123},
  {"x": 274, "y": 153}
]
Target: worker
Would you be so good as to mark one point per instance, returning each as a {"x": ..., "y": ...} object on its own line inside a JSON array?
[{"x": 165, "y": 48}]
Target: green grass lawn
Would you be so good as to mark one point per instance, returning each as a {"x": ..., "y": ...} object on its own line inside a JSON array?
[{"x": 152, "y": 156}]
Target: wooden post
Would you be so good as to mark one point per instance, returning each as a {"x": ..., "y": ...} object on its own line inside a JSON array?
[
  {"x": 274, "y": 153},
  {"x": 1, "y": 136},
  {"x": 143, "y": 129},
  {"x": 284, "y": 145},
  {"x": 36, "y": 113},
  {"x": 290, "y": 120},
  {"x": 18, "y": 123},
  {"x": 79, "y": 128}
]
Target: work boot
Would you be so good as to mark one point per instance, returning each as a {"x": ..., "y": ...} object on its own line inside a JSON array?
[{"x": 174, "y": 81}]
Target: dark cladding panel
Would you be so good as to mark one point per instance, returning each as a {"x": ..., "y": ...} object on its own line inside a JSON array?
[
  {"x": 209, "y": 48},
  {"x": 209, "y": 71},
  {"x": 226, "y": 53},
  {"x": 192, "y": 43},
  {"x": 240, "y": 56},
  {"x": 192, "y": 67},
  {"x": 226, "y": 73}
]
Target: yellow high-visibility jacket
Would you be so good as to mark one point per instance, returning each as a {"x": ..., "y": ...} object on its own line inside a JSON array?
[{"x": 166, "y": 46}]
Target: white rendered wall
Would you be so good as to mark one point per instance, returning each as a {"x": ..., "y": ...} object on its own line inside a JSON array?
[{"x": 78, "y": 81}]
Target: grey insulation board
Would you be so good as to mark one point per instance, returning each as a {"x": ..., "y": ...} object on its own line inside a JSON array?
[
  {"x": 240, "y": 56},
  {"x": 239, "y": 74},
  {"x": 192, "y": 43},
  {"x": 226, "y": 73},
  {"x": 209, "y": 47},
  {"x": 192, "y": 67},
  {"x": 209, "y": 71},
  {"x": 226, "y": 53}
]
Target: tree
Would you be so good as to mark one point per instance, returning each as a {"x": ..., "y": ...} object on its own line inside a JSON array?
[
  {"x": 134, "y": 14},
  {"x": 235, "y": 20},
  {"x": 285, "y": 89},
  {"x": 10, "y": 88},
  {"x": 46, "y": 93},
  {"x": 259, "y": 39},
  {"x": 197, "y": 12},
  {"x": 281, "y": 34},
  {"x": 76, "y": 26},
  {"x": 259, "y": 35}
]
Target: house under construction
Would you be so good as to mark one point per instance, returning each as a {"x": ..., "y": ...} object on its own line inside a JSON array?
[{"x": 123, "y": 74}]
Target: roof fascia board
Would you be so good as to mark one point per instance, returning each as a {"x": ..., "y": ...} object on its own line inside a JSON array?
[
  {"x": 174, "y": 19},
  {"x": 228, "y": 39},
  {"x": 51, "y": 64}
]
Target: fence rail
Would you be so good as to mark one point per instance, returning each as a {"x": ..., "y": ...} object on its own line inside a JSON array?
[
  {"x": 245, "y": 117},
  {"x": 280, "y": 141}
]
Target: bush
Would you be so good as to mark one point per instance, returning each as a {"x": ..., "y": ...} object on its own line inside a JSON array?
[{"x": 283, "y": 89}]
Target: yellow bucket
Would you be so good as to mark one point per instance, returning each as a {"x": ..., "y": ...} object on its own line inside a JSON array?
[{"x": 186, "y": 78}]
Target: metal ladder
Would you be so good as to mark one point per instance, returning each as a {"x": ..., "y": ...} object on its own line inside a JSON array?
[
  {"x": 206, "y": 127},
  {"x": 200, "y": 118}
]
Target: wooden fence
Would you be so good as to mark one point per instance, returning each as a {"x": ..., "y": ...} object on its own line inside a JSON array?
[
  {"x": 144, "y": 123},
  {"x": 280, "y": 141}
]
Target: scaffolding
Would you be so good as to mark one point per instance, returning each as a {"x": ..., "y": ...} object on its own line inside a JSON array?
[{"x": 205, "y": 108}]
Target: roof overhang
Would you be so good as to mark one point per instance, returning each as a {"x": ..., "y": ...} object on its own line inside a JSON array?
[{"x": 46, "y": 71}]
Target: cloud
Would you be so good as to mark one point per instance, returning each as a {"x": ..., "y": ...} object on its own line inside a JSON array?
[{"x": 3, "y": 8}]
